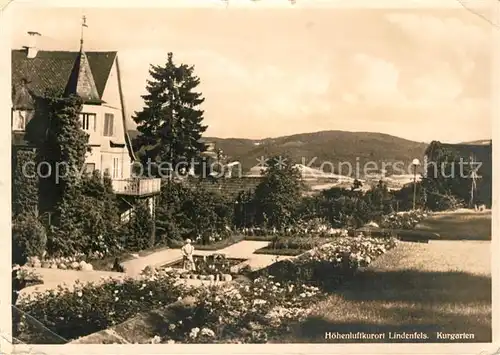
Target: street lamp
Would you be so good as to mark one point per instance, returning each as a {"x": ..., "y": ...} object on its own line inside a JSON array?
[{"x": 415, "y": 163}]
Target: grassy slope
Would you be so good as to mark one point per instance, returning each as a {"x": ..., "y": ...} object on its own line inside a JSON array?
[
  {"x": 459, "y": 225},
  {"x": 441, "y": 286}
]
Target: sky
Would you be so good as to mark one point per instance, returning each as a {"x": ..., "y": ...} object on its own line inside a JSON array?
[{"x": 419, "y": 74}]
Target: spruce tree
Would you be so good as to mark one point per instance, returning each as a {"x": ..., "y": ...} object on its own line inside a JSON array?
[{"x": 170, "y": 124}]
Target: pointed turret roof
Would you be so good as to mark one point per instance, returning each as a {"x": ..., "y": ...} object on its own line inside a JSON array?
[
  {"x": 81, "y": 81},
  {"x": 22, "y": 97}
]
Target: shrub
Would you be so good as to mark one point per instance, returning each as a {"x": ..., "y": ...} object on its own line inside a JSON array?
[
  {"x": 86, "y": 220},
  {"x": 206, "y": 214},
  {"x": 443, "y": 202},
  {"x": 136, "y": 234},
  {"x": 24, "y": 183},
  {"x": 245, "y": 209},
  {"x": 379, "y": 201},
  {"x": 404, "y": 197},
  {"x": 278, "y": 196},
  {"x": 299, "y": 242},
  {"x": 170, "y": 219},
  {"x": 29, "y": 238},
  {"x": 194, "y": 212}
]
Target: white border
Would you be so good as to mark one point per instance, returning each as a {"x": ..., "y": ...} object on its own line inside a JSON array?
[{"x": 5, "y": 321}]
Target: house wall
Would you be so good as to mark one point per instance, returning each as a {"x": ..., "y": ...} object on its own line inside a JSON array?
[{"x": 103, "y": 154}]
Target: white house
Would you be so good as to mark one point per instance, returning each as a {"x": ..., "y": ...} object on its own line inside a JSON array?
[{"x": 95, "y": 77}]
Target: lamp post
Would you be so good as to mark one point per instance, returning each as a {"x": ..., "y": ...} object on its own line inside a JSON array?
[{"x": 415, "y": 163}]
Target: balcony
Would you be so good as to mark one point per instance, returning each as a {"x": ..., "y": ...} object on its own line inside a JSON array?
[{"x": 137, "y": 187}]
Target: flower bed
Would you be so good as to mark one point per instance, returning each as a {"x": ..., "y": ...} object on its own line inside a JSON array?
[
  {"x": 402, "y": 220},
  {"x": 330, "y": 264},
  {"x": 295, "y": 245},
  {"x": 240, "y": 313},
  {"x": 88, "y": 308},
  {"x": 315, "y": 227}
]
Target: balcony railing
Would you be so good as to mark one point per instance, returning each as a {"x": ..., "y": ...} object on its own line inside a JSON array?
[{"x": 137, "y": 187}]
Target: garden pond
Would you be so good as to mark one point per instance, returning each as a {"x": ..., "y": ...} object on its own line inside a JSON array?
[{"x": 211, "y": 264}]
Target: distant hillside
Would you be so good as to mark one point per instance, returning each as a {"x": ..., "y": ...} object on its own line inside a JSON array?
[
  {"x": 328, "y": 147},
  {"x": 478, "y": 142}
]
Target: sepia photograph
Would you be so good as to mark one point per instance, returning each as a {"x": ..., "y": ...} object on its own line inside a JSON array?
[{"x": 254, "y": 174}]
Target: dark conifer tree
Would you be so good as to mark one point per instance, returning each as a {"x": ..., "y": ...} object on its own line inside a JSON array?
[{"x": 170, "y": 124}]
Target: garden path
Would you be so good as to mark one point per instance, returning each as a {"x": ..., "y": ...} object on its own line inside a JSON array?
[
  {"x": 55, "y": 277},
  {"x": 245, "y": 249}
]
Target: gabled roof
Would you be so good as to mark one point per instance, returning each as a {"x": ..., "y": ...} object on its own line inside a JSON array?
[{"x": 51, "y": 70}]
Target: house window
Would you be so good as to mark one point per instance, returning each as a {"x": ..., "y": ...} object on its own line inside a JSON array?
[
  {"x": 116, "y": 168},
  {"x": 89, "y": 168},
  {"x": 108, "y": 124},
  {"x": 88, "y": 121},
  {"x": 19, "y": 120}
]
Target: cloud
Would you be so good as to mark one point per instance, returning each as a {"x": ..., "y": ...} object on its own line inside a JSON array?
[
  {"x": 273, "y": 89},
  {"x": 444, "y": 31},
  {"x": 378, "y": 82},
  {"x": 375, "y": 81},
  {"x": 435, "y": 87}
]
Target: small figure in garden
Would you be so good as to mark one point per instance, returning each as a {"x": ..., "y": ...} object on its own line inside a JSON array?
[
  {"x": 117, "y": 267},
  {"x": 187, "y": 253}
]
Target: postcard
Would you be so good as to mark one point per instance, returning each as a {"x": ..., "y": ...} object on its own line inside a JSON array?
[{"x": 250, "y": 177}]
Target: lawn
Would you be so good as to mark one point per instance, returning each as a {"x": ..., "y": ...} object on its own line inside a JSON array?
[
  {"x": 442, "y": 286},
  {"x": 459, "y": 225}
]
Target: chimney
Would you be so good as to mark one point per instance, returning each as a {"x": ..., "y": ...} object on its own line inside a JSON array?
[{"x": 32, "y": 47}]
